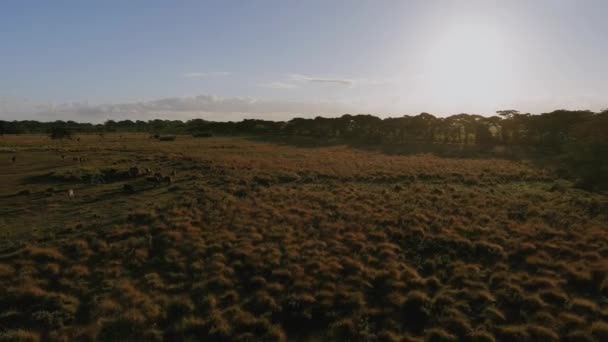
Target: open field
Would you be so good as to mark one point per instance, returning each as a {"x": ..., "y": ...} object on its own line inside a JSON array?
[{"x": 257, "y": 241}]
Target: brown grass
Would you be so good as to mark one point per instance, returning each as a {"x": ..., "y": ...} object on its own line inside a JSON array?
[{"x": 267, "y": 242}]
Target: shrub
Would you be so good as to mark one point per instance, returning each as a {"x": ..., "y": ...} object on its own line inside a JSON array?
[
  {"x": 59, "y": 132},
  {"x": 389, "y": 336},
  {"x": 178, "y": 308},
  {"x": 44, "y": 253},
  {"x": 124, "y": 328},
  {"x": 599, "y": 330},
  {"x": 481, "y": 336},
  {"x": 439, "y": 335},
  {"x": 202, "y": 134},
  {"x": 19, "y": 336},
  {"x": 415, "y": 310},
  {"x": 539, "y": 333},
  {"x": 219, "y": 328},
  {"x": 27, "y": 294},
  {"x": 494, "y": 315},
  {"x": 513, "y": 333},
  {"x": 489, "y": 250},
  {"x": 50, "y": 319},
  {"x": 458, "y": 325},
  {"x": 78, "y": 249},
  {"x": 6, "y": 271},
  {"x": 584, "y": 306},
  {"x": 554, "y": 296},
  {"x": 343, "y": 330},
  {"x": 262, "y": 302},
  {"x": 579, "y": 336}
]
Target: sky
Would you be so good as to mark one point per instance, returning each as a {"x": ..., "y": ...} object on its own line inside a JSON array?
[{"x": 278, "y": 59}]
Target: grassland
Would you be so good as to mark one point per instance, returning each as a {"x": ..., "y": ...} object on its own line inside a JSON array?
[{"x": 262, "y": 241}]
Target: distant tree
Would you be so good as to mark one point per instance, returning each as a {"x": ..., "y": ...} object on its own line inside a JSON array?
[
  {"x": 553, "y": 130},
  {"x": 586, "y": 151},
  {"x": 423, "y": 126},
  {"x": 512, "y": 126},
  {"x": 466, "y": 125},
  {"x": 483, "y": 135},
  {"x": 110, "y": 126}
]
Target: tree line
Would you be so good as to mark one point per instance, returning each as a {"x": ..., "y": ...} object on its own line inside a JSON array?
[{"x": 577, "y": 139}]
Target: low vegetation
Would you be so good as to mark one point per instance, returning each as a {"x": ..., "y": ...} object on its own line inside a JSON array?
[
  {"x": 257, "y": 241},
  {"x": 574, "y": 143}
]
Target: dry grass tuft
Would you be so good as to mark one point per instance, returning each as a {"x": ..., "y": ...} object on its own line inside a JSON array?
[
  {"x": 599, "y": 330},
  {"x": 260, "y": 242},
  {"x": 40, "y": 253}
]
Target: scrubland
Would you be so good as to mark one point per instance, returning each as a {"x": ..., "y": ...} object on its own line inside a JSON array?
[{"x": 256, "y": 241}]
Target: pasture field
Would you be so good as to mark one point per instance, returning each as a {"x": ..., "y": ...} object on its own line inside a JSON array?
[{"x": 255, "y": 241}]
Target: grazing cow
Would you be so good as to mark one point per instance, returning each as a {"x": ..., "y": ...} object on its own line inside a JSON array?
[
  {"x": 71, "y": 193},
  {"x": 14, "y": 159},
  {"x": 133, "y": 172},
  {"x": 156, "y": 179}
]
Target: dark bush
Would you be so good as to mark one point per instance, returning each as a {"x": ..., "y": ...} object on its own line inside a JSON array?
[
  {"x": 167, "y": 138},
  {"x": 202, "y": 135},
  {"x": 60, "y": 132}
]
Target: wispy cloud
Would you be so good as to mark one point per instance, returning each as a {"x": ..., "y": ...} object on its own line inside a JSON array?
[
  {"x": 278, "y": 85},
  {"x": 294, "y": 79},
  {"x": 205, "y": 74},
  {"x": 205, "y": 106},
  {"x": 313, "y": 79}
]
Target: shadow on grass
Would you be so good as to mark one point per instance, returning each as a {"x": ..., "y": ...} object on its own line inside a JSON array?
[
  {"x": 540, "y": 157},
  {"x": 409, "y": 148},
  {"x": 298, "y": 141},
  {"x": 47, "y": 178}
]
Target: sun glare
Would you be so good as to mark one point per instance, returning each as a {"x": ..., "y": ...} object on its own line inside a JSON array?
[{"x": 468, "y": 61}]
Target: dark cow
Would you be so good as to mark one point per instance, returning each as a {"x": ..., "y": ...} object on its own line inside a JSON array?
[{"x": 134, "y": 172}]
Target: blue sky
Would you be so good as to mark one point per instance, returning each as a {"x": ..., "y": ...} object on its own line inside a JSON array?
[{"x": 226, "y": 60}]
